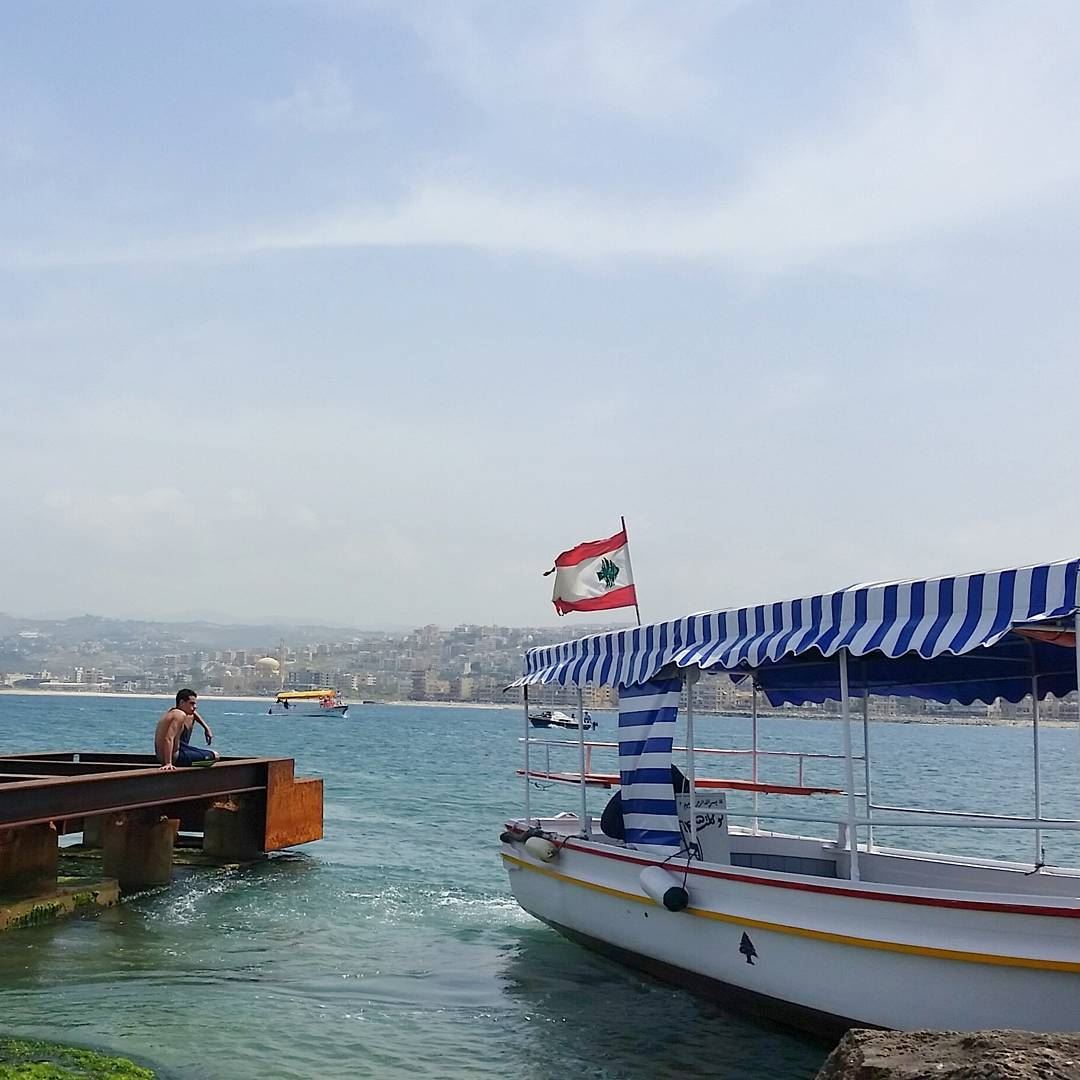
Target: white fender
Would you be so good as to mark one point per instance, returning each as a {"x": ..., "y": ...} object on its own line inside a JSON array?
[
  {"x": 541, "y": 849},
  {"x": 664, "y": 888}
]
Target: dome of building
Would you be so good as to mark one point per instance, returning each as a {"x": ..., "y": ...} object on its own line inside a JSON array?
[{"x": 268, "y": 665}]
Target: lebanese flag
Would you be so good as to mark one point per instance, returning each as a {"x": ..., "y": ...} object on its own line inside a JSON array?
[{"x": 594, "y": 576}]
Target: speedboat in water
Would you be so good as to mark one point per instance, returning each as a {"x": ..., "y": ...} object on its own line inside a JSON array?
[
  {"x": 788, "y": 902},
  {"x": 309, "y": 703},
  {"x": 552, "y": 718}
]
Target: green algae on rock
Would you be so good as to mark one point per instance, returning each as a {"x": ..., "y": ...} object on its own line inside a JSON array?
[{"x": 30, "y": 1059}]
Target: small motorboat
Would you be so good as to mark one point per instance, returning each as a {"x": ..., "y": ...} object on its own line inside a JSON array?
[
  {"x": 309, "y": 703},
  {"x": 549, "y": 718}
]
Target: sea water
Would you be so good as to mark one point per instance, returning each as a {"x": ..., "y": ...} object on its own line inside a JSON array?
[{"x": 393, "y": 947}]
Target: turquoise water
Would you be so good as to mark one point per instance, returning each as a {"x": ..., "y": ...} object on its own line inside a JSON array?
[{"x": 392, "y": 948}]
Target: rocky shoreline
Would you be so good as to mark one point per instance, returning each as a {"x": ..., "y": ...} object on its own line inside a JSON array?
[{"x": 953, "y": 1055}]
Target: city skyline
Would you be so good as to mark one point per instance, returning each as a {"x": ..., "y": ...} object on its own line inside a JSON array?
[
  {"x": 359, "y": 312},
  {"x": 471, "y": 664}
]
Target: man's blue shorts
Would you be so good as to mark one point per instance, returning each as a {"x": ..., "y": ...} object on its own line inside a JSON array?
[{"x": 189, "y": 755}]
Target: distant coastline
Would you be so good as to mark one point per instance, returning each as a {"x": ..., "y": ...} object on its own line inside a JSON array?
[
  {"x": 7, "y": 691},
  {"x": 963, "y": 721},
  {"x": 14, "y": 692}
]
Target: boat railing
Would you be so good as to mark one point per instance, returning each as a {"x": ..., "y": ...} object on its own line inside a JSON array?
[
  {"x": 953, "y": 813},
  {"x": 918, "y": 818},
  {"x": 801, "y": 756},
  {"x": 957, "y": 819},
  {"x": 914, "y": 816}
]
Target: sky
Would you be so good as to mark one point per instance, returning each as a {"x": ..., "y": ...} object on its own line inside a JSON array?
[{"x": 359, "y": 312}]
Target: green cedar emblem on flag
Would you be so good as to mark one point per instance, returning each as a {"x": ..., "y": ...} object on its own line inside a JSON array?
[{"x": 607, "y": 573}]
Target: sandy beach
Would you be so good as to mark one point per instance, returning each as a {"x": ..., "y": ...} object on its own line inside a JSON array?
[{"x": 8, "y": 691}]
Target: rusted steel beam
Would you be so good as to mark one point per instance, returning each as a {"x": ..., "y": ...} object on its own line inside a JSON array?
[
  {"x": 56, "y": 755},
  {"x": 294, "y": 807},
  {"x": 52, "y": 767},
  {"x": 83, "y": 755},
  {"x": 122, "y": 756},
  {"x": 87, "y": 763},
  {"x": 107, "y": 792},
  {"x": 132, "y": 759}
]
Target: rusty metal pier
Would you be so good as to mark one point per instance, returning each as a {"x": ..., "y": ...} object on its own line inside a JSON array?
[{"x": 128, "y": 807}]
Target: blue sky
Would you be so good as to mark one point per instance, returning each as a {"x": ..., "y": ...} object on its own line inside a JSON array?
[{"x": 362, "y": 311}]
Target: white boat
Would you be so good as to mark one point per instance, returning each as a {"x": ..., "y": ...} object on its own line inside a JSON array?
[
  {"x": 549, "y": 718},
  {"x": 309, "y": 703},
  {"x": 824, "y": 931}
]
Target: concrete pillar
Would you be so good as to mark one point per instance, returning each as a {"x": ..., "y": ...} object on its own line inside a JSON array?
[
  {"x": 233, "y": 829},
  {"x": 137, "y": 848},
  {"x": 28, "y": 858}
]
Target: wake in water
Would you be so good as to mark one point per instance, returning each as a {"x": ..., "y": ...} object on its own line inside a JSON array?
[{"x": 435, "y": 905}]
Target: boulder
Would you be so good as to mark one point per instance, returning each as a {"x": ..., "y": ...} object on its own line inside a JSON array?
[{"x": 953, "y": 1055}]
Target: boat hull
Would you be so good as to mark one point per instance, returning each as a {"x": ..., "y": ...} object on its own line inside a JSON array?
[
  {"x": 340, "y": 711},
  {"x": 821, "y": 960},
  {"x": 566, "y": 725},
  {"x": 822, "y": 1025}
]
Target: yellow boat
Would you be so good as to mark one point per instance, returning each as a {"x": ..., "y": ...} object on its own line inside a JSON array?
[{"x": 309, "y": 703}]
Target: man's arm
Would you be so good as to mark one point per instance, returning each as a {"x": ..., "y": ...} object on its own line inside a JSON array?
[
  {"x": 168, "y": 748},
  {"x": 205, "y": 726}
]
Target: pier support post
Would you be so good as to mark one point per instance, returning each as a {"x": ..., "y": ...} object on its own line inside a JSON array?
[
  {"x": 233, "y": 830},
  {"x": 137, "y": 849},
  {"x": 28, "y": 860},
  {"x": 91, "y": 835}
]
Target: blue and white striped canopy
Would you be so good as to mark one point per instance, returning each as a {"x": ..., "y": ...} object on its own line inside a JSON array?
[{"x": 944, "y": 638}]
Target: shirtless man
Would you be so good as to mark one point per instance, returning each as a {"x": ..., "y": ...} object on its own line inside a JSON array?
[{"x": 172, "y": 737}]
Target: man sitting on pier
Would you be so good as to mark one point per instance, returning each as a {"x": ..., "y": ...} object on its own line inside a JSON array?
[{"x": 172, "y": 738}]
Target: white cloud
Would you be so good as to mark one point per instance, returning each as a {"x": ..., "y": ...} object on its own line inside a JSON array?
[
  {"x": 975, "y": 119},
  {"x": 321, "y": 102},
  {"x": 971, "y": 119},
  {"x": 629, "y": 57}
]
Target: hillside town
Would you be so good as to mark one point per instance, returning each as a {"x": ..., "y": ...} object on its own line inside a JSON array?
[{"x": 464, "y": 664}]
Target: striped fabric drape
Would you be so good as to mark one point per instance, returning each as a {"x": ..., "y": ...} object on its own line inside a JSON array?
[
  {"x": 647, "y": 714},
  {"x": 938, "y": 617}
]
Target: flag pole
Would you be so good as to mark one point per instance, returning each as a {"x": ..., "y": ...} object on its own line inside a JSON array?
[{"x": 629, "y": 566}]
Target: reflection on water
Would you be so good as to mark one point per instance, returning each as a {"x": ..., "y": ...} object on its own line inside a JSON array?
[
  {"x": 393, "y": 947},
  {"x": 579, "y": 1007}
]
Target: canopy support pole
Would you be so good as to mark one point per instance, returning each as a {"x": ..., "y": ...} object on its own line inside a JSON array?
[
  {"x": 586, "y": 825},
  {"x": 849, "y": 769},
  {"x": 528, "y": 779},
  {"x": 1039, "y": 855},
  {"x": 866, "y": 766},
  {"x": 754, "y": 746},
  {"x": 691, "y": 774},
  {"x": 1076, "y": 633}
]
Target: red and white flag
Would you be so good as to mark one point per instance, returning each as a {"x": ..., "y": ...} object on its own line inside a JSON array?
[{"x": 594, "y": 576}]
